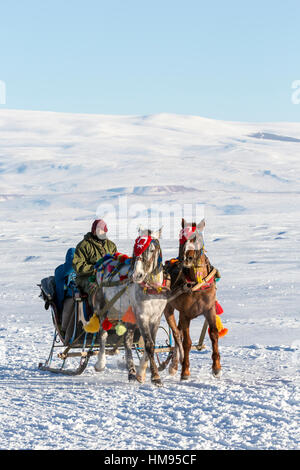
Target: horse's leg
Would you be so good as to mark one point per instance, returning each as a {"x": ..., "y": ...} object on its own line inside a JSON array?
[
  {"x": 142, "y": 368},
  {"x": 97, "y": 302},
  {"x": 210, "y": 316},
  {"x": 148, "y": 355},
  {"x": 155, "y": 378},
  {"x": 101, "y": 360},
  {"x": 149, "y": 346},
  {"x": 184, "y": 325},
  {"x": 178, "y": 349},
  {"x": 178, "y": 353},
  {"x": 128, "y": 342}
]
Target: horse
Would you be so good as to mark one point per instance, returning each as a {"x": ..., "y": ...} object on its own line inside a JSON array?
[
  {"x": 144, "y": 294},
  {"x": 194, "y": 275}
]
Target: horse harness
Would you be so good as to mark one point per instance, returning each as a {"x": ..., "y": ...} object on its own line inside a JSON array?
[{"x": 151, "y": 285}]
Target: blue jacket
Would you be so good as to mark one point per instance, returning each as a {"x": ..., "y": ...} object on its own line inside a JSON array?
[{"x": 64, "y": 275}]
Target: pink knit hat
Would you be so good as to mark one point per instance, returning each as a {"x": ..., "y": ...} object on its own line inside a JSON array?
[{"x": 98, "y": 223}]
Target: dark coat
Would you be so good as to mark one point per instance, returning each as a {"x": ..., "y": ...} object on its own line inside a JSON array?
[{"x": 88, "y": 252}]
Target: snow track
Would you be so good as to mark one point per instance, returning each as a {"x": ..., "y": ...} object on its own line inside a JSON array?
[{"x": 250, "y": 407}]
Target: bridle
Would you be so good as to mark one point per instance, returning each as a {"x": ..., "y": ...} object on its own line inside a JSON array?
[
  {"x": 188, "y": 261},
  {"x": 197, "y": 243}
]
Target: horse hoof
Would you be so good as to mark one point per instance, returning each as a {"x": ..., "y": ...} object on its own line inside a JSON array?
[
  {"x": 139, "y": 379},
  {"x": 217, "y": 373},
  {"x": 184, "y": 377},
  {"x": 172, "y": 371},
  {"x": 132, "y": 377},
  {"x": 157, "y": 382},
  {"x": 98, "y": 368}
]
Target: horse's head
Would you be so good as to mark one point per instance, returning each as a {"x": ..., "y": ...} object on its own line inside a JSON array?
[
  {"x": 191, "y": 243},
  {"x": 146, "y": 257}
]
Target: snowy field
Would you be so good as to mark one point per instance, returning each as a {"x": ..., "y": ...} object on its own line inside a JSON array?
[{"x": 55, "y": 172}]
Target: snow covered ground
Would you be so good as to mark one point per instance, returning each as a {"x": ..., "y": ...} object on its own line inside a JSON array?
[{"x": 56, "y": 171}]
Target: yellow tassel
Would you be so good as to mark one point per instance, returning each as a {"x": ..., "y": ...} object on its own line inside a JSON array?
[
  {"x": 222, "y": 331},
  {"x": 198, "y": 276},
  {"x": 93, "y": 325}
]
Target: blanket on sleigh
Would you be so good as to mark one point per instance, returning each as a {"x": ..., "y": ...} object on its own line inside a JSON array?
[{"x": 112, "y": 267}]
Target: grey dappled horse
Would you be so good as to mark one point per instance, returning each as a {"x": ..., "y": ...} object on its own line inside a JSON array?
[{"x": 144, "y": 297}]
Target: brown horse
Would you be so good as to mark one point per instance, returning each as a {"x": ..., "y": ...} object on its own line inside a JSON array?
[{"x": 193, "y": 274}]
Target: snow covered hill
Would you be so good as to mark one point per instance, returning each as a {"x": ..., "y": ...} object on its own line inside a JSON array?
[{"x": 56, "y": 172}]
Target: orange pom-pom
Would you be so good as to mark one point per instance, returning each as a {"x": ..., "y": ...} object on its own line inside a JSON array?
[
  {"x": 223, "y": 332},
  {"x": 129, "y": 316}
]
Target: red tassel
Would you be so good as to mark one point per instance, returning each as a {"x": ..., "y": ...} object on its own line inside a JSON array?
[
  {"x": 219, "y": 309},
  {"x": 106, "y": 325}
]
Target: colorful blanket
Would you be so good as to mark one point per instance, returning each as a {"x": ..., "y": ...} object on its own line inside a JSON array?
[{"x": 109, "y": 265}]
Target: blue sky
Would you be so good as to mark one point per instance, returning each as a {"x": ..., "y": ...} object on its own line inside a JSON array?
[{"x": 233, "y": 60}]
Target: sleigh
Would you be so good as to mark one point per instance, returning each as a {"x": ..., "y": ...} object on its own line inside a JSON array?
[{"x": 82, "y": 345}]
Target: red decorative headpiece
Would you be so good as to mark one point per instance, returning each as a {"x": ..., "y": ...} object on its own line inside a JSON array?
[
  {"x": 186, "y": 233},
  {"x": 141, "y": 244}
]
